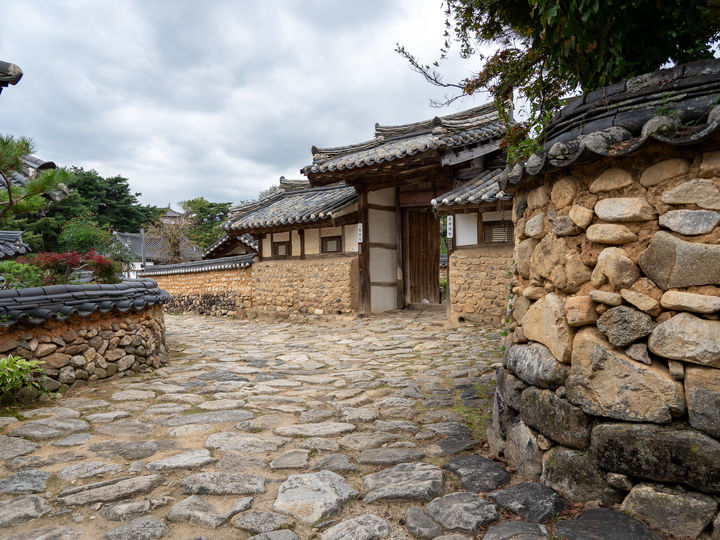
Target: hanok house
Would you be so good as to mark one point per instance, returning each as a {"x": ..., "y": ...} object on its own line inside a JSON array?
[
  {"x": 150, "y": 249},
  {"x": 397, "y": 175}
]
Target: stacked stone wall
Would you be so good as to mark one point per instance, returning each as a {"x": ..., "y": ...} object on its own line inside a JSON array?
[
  {"x": 91, "y": 348},
  {"x": 480, "y": 283},
  {"x": 215, "y": 292},
  {"x": 610, "y": 386},
  {"x": 324, "y": 286}
]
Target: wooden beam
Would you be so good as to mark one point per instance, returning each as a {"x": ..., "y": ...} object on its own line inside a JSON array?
[
  {"x": 479, "y": 228},
  {"x": 383, "y": 283},
  {"x": 453, "y": 158},
  {"x": 364, "y": 257},
  {"x": 383, "y": 207},
  {"x": 301, "y": 233},
  {"x": 399, "y": 251}
]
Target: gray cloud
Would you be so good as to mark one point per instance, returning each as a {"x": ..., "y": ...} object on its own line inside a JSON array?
[{"x": 214, "y": 99}]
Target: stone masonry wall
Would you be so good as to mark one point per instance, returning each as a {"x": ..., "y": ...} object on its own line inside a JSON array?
[
  {"x": 312, "y": 286},
  {"x": 610, "y": 387},
  {"x": 91, "y": 348},
  {"x": 479, "y": 283},
  {"x": 215, "y": 292}
]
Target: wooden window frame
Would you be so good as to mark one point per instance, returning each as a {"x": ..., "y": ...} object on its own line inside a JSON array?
[
  {"x": 276, "y": 249},
  {"x": 488, "y": 226},
  {"x": 324, "y": 240}
]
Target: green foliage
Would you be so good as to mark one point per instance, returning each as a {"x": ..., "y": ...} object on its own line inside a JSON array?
[
  {"x": 19, "y": 276},
  {"x": 548, "y": 48},
  {"x": 83, "y": 234},
  {"x": 17, "y": 373},
  {"x": 206, "y": 219}
]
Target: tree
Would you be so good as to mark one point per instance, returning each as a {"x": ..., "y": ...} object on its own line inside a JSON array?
[
  {"x": 547, "y": 48},
  {"x": 16, "y": 200},
  {"x": 205, "y": 221},
  {"x": 174, "y": 233}
]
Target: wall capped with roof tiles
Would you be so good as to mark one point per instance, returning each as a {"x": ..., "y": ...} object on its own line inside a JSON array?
[{"x": 480, "y": 283}]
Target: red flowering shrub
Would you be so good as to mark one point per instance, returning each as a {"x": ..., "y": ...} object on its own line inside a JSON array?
[{"x": 57, "y": 267}]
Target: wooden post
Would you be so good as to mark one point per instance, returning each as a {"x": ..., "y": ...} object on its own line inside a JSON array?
[
  {"x": 301, "y": 233},
  {"x": 399, "y": 251},
  {"x": 364, "y": 256},
  {"x": 479, "y": 228}
]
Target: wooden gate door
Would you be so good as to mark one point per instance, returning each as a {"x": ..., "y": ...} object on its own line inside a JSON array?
[{"x": 421, "y": 255}]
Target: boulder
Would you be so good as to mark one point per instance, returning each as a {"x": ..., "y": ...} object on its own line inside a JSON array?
[
  {"x": 688, "y": 338},
  {"x": 555, "y": 418},
  {"x": 577, "y": 476},
  {"x": 535, "y": 226},
  {"x": 538, "y": 197},
  {"x": 685, "y": 301},
  {"x": 420, "y": 525},
  {"x": 669, "y": 510},
  {"x": 522, "y": 449},
  {"x": 667, "y": 259},
  {"x": 365, "y": 527},
  {"x": 536, "y": 365},
  {"x": 661, "y": 454},
  {"x": 553, "y": 259},
  {"x": 623, "y": 325},
  {"x": 690, "y": 222},
  {"x": 606, "y": 382},
  {"x": 523, "y": 253},
  {"x": 602, "y": 523},
  {"x": 408, "y": 481},
  {"x": 624, "y": 209},
  {"x": 581, "y": 216},
  {"x": 702, "y": 390},
  {"x": 520, "y": 306},
  {"x": 700, "y": 191},
  {"x": 580, "y": 310},
  {"x": 611, "y": 234},
  {"x": 545, "y": 322},
  {"x": 610, "y": 180},
  {"x": 530, "y": 500},
  {"x": 563, "y": 191},
  {"x": 563, "y": 226},
  {"x": 616, "y": 267},
  {"x": 664, "y": 170},
  {"x": 463, "y": 511},
  {"x": 516, "y": 530},
  {"x": 314, "y": 496}
]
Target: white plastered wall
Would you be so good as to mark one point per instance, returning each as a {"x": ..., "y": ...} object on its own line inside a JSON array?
[
  {"x": 466, "y": 229},
  {"x": 295, "y": 244},
  {"x": 383, "y": 260},
  {"x": 266, "y": 246},
  {"x": 351, "y": 238},
  {"x": 312, "y": 241}
]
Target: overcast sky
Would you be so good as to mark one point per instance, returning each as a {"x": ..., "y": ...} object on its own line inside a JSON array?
[{"x": 214, "y": 98}]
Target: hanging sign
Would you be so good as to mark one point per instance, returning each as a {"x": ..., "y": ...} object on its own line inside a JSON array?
[
  {"x": 360, "y": 233},
  {"x": 451, "y": 226}
]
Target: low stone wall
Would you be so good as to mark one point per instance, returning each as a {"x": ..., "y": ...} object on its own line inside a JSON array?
[
  {"x": 611, "y": 381},
  {"x": 216, "y": 292},
  {"x": 480, "y": 283},
  {"x": 321, "y": 286}
]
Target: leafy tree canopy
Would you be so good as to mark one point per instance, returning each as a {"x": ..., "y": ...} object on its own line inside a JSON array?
[
  {"x": 548, "y": 48},
  {"x": 205, "y": 220}
]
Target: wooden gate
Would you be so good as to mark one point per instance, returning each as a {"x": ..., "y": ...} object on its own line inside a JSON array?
[{"x": 421, "y": 255}]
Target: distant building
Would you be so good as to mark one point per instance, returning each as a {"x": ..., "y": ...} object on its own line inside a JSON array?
[
  {"x": 155, "y": 249},
  {"x": 12, "y": 245}
]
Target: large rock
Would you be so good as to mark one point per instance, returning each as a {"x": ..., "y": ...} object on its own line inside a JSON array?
[
  {"x": 624, "y": 209},
  {"x": 389, "y": 456},
  {"x": 702, "y": 391},
  {"x": 463, "y": 511},
  {"x": 219, "y": 483},
  {"x": 365, "y": 527},
  {"x": 143, "y": 528},
  {"x": 685, "y": 301},
  {"x": 110, "y": 490},
  {"x": 555, "y": 417},
  {"x": 581, "y": 216},
  {"x": 478, "y": 474},
  {"x": 197, "y": 511},
  {"x": 606, "y": 382},
  {"x": 664, "y": 170},
  {"x": 688, "y": 338},
  {"x": 667, "y": 260},
  {"x": 520, "y": 306},
  {"x": 690, "y": 222},
  {"x": 610, "y": 180},
  {"x": 47, "y": 533},
  {"x": 530, "y": 500},
  {"x": 214, "y": 417},
  {"x": 314, "y": 496},
  {"x": 318, "y": 429},
  {"x": 33, "y": 481},
  {"x": 49, "y": 428},
  {"x": 672, "y": 511},
  {"x": 516, "y": 530},
  {"x": 12, "y": 447},
  {"x": 580, "y": 310},
  {"x": 662, "y": 454},
  {"x": 643, "y": 302},
  {"x": 700, "y": 191},
  {"x": 251, "y": 444},
  {"x": 535, "y": 226},
  {"x": 577, "y": 476},
  {"x": 603, "y": 523},
  {"x": 22, "y": 510},
  {"x": 261, "y": 521},
  {"x": 545, "y": 322},
  {"x": 420, "y": 525},
  {"x": 563, "y": 226},
  {"x": 536, "y": 365},
  {"x": 187, "y": 460},
  {"x": 624, "y": 325},
  {"x": 523, "y": 253},
  {"x": 616, "y": 267},
  {"x": 509, "y": 386},
  {"x": 407, "y": 481},
  {"x": 522, "y": 449},
  {"x": 553, "y": 259}
]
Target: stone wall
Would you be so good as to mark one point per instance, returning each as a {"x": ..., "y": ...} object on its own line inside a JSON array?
[
  {"x": 479, "y": 283},
  {"x": 323, "y": 286},
  {"x": 610, "y": 386},
  {"x": 215, "y": 292},
  {"x": 91, "y": 348}
]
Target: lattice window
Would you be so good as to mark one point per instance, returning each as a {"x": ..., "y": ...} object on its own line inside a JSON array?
[
  {"x": 331, "y": 244},
  {"x": 281, "y": 250},
  {"x": 497, "y": 232}
]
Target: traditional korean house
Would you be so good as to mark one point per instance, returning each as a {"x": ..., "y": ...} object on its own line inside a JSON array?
[
  {"x": 228, "y": 246},
  {"x": 12, "y": 245},
  {"x": 397, "y": 175}
]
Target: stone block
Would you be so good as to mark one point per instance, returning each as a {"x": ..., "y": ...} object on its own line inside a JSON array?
[
  {"x": 606, "y": 297},
  {"x": 690, "y": 222},
  {"x": 664, "y": 170},
  {"x": 563, "y": 192},
  {"x": 581, "y": 216},
  {"x": 610, "y": 180},
  {"x": 667, "y": 259},
  {"x": 616, "y": 267},
  {"x": 685, "y": 301},
  {"x": 545, "y": 322},
  {"x": 522, "y": 449},
  {"x": 624, "y": 209},
  {"x": 564, "y": 226},
  {"x": 509, "y": 387},
  {"x": 710, "y": 165},
  {"x": 537, "y": 198},
  {"x": 642, "y": 301},
  {"x": 580, "y": 310},
  {"x": 688, "y": 338},
  {"x": 576, "y": 475},
  {"x": 536, "y": 365},
  {"x": 523, "y": 253},
  {"x": 605, "y": 382},
  {"x": 553, "y": 259},
  {"x": 702, "y": 389},
  {"x": 555, "y": 418},
  {"x": 56, "y": 360},
  {"x": 700, "y": 191},
  {"x": 610, "y": 234},
  {"x": 624, "y": 325},
  {"x": 535, "y": 226}
]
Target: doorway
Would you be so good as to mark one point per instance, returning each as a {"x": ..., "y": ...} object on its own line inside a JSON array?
[{"x": 421, "y": 256}]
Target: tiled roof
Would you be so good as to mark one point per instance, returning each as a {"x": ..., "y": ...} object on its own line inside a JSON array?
[
  {"x": 38, "y": 304},
  {"x": 157, "y": 248},
  {"x": 675, "y": 106},
  {"x": 223, "y": 263},
  {"x": 299, "y": 206},
  {"x": 396, "y": 142},
  {"x": 483, "y": 188},
  {"x": 11, "y": 244},
  {"x": 9, "y": 74},
  {"x": 31, "y": 166},
  {"x": 226, "y": 241}
]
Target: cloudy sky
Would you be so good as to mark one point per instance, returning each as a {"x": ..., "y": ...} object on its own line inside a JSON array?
[{"x": 216, "y": 98}]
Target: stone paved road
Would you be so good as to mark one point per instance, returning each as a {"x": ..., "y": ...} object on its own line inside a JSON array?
[{"x": 334, "y": 430}]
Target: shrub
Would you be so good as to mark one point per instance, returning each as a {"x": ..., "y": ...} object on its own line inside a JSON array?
[
  {"x": 17, "y": 373},
  {"x": 57, "y": 267},
  {"x": 18, "y": 275}
]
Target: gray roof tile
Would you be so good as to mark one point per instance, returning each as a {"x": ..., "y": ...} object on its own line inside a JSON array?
[
  {"x": 223, "y": 263},
  {"x": 12, "y": 245},
  {"x": 483, "y": 188}
]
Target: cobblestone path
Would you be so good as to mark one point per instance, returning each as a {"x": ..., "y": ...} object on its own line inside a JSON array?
[{"x": 334, "y": 430}]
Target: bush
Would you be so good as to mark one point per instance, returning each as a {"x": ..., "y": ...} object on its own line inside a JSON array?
[
  {"x": 19, "y": 276},
  {"x": 17, "y": 373},
  {"x": 56, "y": 268}
]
